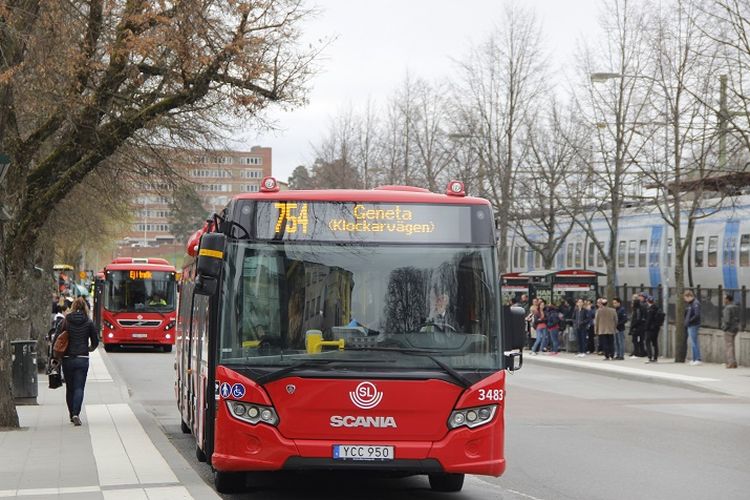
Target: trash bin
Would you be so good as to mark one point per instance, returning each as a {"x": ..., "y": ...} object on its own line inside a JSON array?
[{"x": 25, "y": 388}]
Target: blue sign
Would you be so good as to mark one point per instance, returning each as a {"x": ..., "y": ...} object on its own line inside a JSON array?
[
  {"x": 225, "y": 390},
  {"x": 238, "y": 391}
]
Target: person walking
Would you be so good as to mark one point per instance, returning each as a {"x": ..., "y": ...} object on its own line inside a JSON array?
[
  {"x": 540, "y": 325},
  {"x": 82, "y": 339},
  {"x": 693, "y": 324},
  {"x": 590, "y": 314},
  {"x": 554, "y": 319},
  {"x": 730, "y": 323},
  {"x": 654, "y": 320},
  {"x": 622, "y": 318},
  {"x": 605, "y": 326}
]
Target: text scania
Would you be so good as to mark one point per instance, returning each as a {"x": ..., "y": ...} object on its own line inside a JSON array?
[{"x": 352, "y": 421}]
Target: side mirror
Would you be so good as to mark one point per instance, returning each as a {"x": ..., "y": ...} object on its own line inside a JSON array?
[
  {"x": 514, "y": 335},
  {"x": 210, "y": 260}
]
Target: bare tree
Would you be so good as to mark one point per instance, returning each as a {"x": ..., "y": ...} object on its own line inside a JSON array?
[
  {"x": 613, "y": 110},
  {"x": 433, "y": 152},
  {"x": 552, "y": 160},
  {"x": 80, "y": 79},
  {"x": 500, "y": 82}
]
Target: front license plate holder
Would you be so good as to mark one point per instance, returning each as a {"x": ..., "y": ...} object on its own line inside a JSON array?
[
  {"x": 140, "y": 335},
  {"x": 363, "y": 452}
]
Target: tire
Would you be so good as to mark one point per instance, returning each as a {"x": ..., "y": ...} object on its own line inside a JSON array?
[
  {"x": 449, "y": 483},
  {"x": 229, "y": 482},
  {"x": 199, "y": 454},
  {"x": 167, "y": 348},
  {"x": 184, "y": 427}
]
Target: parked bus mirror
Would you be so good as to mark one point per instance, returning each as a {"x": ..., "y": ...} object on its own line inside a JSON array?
[{"x": 514, "y": 328}]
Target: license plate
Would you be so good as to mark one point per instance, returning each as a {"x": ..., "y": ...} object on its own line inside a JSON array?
[
  {"x": 140, "y": 335},
  {"x": 362, "y": 452}
]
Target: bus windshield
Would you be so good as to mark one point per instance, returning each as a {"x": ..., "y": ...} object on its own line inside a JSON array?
[
  {"x": 132, "y": 290},
  {"x": 372, "y": 300}
]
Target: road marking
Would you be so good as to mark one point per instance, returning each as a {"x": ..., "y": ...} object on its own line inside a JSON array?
[
  {"x": 624, "y": 370},
  {"x": 487, "y": 484},
  {"x": 68, "y": 490},
  {"x": 163, "y": 493},
  {"x": 123, "y": 452},
  {"x": 97, "y": 369},
  {"x": 523, "y": 495},
  {"x": 155, "y": 493}
]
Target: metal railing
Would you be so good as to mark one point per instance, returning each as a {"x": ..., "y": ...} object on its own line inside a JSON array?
[{"x": 711, "y": 300}]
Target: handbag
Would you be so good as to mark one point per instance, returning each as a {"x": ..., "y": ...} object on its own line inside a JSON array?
[
  {"x": 61, "y": 343},
  {"x": 55, "y": 380}
]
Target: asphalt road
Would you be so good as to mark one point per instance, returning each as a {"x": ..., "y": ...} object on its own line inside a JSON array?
[{"x": 569, "y": 436}]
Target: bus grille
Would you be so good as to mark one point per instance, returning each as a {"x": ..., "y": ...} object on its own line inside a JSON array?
[{"x": 139, "y": 323}]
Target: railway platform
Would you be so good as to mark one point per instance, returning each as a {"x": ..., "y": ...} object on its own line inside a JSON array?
[
  {"x": 707, "y": 377},
  {"x": 118, "y": 453}
]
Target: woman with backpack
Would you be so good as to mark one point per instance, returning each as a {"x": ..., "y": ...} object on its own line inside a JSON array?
[
  {"x": 82, "y": 339},
  {"x": 654, "y": 321}
]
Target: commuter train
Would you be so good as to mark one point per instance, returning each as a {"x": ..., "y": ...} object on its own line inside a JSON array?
[{"x": 719, "y": 254}]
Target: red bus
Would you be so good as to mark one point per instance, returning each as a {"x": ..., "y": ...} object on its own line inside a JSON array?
[
  {"x": 137, "y": 303},
  {"x": 346, "y": 330}
]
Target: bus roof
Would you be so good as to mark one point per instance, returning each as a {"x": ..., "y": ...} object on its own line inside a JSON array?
[
  {"x": 62, "y": 267},
  {"x": 385, "y": 194},
  {"x": 137, "y": 264}
]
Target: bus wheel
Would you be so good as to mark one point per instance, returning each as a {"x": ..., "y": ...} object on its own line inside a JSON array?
[
  {"x": 446, "y": 482},
  {"x": 229, "y": 482},
  {"x": 199, "y": 454},
  {"x": 184, "y": 427},
  {"x": 167, "y": 348}
]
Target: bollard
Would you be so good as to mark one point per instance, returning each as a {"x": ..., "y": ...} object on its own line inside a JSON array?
[{"x": 25, "y": 388}]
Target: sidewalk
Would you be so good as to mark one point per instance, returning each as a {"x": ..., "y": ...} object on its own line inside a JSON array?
[
  {"x": 708, "y": 377},
  {"x": 118, "y": 453}
]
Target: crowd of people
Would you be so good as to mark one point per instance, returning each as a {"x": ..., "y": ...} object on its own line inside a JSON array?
[{"x": 599, "y": 327}]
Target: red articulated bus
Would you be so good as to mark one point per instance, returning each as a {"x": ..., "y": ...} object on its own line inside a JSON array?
[
  {"x": 137, "y": 303},
  {"x": 346, "y": 330}
]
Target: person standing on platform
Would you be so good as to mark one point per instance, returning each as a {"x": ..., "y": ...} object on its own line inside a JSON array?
[
  {"x": 622, "y": 318},
  {"x": 605, "y": 326},
  {"x": 693, "y": 324},
  {"x": 730, "y": 323}
]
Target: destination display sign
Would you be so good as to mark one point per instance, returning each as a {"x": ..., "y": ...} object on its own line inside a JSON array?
[
  {"x": 373, "y": 222},
  {"x": 141, "y": 275}
]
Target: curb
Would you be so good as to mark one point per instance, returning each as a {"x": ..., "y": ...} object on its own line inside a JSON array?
[{"x": 636, "y": 374}]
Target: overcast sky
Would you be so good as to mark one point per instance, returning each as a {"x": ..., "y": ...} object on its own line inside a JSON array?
[{"x": 377, "y": 41}]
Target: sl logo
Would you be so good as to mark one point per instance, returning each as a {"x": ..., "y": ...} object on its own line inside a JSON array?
[{"x": 366, "y": 396}]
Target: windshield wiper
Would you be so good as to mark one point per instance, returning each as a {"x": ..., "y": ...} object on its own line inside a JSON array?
[
  {"x": 305, "y": 363},
  {"x": 427, "y": 353}
]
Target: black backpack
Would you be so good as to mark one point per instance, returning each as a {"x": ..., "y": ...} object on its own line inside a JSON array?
[{"x": 659, "y": 317}]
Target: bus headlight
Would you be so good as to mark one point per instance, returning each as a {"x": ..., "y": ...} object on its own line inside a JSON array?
[
  {"x": 108, "y": 324},
  {"x": 252, "y": 413},
  {"x": 169, "y": 326},
  {"x": 472, "y": 417}
]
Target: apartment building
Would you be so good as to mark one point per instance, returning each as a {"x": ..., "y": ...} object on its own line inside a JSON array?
[{"x": 218, "y": 176}]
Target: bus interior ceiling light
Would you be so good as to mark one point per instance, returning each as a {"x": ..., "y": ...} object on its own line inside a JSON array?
[{"x": 455, "y": 188}]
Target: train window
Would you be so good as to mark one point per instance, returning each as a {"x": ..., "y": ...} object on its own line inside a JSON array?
[
  {"x": 599, "y": 256},
  {"x": 579, "y": 255},
  {"x": 631, "y": 253},
  {"x": 538, "y": 260},
  {"x": 522, "y": 258},
  {"x": 745, "y": 250},
  {"x": 642, "y": 251},
  {"x": 621, "y": 254},
  {"x": 698, "y": 258},
  {"x": 713, "y": 251},
  {"x": 590, "y": 257},
  {"x": 569, "y": 256},
  {"x": 669, "y": 252},
  {"x": 515, "y": 257}
]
